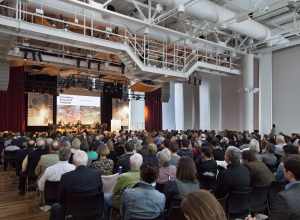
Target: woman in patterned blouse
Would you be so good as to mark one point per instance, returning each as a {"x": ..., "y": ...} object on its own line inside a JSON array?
[{"x": 103, "y": 164}]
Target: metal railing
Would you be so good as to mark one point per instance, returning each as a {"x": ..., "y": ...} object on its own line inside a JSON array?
[{"x": 151, "y": 52}]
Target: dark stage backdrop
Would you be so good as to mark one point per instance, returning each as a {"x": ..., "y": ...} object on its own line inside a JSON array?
[
  {"x": 12, "y": 102},
  {"x": 153, "y": 110}
]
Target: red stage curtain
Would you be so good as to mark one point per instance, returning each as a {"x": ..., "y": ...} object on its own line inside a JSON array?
[
  {"x": 12, "y": 102},
  {"x": 153, "y": 111}
]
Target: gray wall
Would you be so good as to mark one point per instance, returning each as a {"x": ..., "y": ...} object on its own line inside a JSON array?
[{"x": 286, "y": 89}]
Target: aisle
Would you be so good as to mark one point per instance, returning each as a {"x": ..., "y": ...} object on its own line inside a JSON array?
[{"x": 16, "y": 207}]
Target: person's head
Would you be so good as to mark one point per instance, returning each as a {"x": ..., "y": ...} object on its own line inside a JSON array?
[
  {"x": 233, "y": 155},
  {"x": 149, "y": 172},
  {"x": 292, "y": 168},
  {"x": 185, "y": 143},
  {"x": 152, "y": 149},
  {"x": 49, "y": 142},
  {"x": 40, "y": 143},
  {"x": 290, "y": 149},
  {"x": 207, "y": 152},
  {"x": 54, "y": 146},
  {"x": 103, "y": 150},
  {"x": 30, "y": 144},
  {"x": 186, "y": 169},
  {"x": 164, "y": 157},
  {"x": 254, "y": 145},
  {"x": 173, "y": 147},
  {"x": 248, "y": 156},
  {"x": 80, "y": 158},
  {"x": 64, "y": 153},
  {"x": 130, "y": 146},
  {"x": 136, "y": 161},
  {"x": 76, "y": 143},
  {"x": 280, "y": 139},
  {"x": 202, "y": 205}
]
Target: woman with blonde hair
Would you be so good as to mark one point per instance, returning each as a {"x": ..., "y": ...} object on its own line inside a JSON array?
[{"x": 202, "y": 205}]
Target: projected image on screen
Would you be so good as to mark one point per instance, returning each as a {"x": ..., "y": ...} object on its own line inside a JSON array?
[
  {"x": 120, "y": 111},
  {"x": 40, "y": 109},
  {"x": 73, "y": 108}
]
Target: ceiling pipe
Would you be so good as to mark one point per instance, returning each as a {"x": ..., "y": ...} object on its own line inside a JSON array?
[{"x": 207, "y": 10}]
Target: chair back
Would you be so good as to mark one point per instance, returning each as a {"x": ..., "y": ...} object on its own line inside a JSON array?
[
  {"x": 84, "y": 205},
  {"x": 175, "y": 214},
  {"x": 109, "y": 182},
  {"x": 51, "y": 192},
  {"x": 10, "y": 158},
  {"x": 259, "y": 199},
  {"x": 238, "y": 203}
]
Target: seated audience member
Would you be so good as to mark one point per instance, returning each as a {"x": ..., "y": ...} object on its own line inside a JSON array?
[
  {"x": 268, "y": 157},
  {"x": 174, "y": 156},
  {"x": 202, "y": 205},
  {"x": 260, "y": 175},
  {"x": 81, "y": 180},
  {"x": 53, "y": 173},
  {"x": 150, "y": 156},
  {"x": 167, "y": 172},
  {"x": 287, "y": 204},
  {"x": 123, "y": 160},
  {"x": 280, "y": 143},
  {"x": 92, "y": 152},
  {"x": 288, "y": 150},
  {"x": 235, "y": 177},
  {"x": 127, "y": 180},
  {"x": 186, "y": 182},
  {"x": 143, "y": 201},
  {"x": 75, "y": 146},
  {"x": 185, "y": 149},
  {"x": 207, "y": 169},
  {"x": 103, "y": 164},
  {"x": 48, "y": 160},
  {"x": 31, "y": 160}
]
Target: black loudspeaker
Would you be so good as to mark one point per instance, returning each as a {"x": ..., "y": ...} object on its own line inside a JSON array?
[
  {"x": 165, "y": 92},
  {"x": 4, "y": 75}
]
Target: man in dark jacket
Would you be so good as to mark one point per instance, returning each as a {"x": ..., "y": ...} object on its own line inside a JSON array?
[
  {"x": 124, "y": 160},
  {"x": 236, "y": 177},
  {"x": 287, "y": 204},
  {"x": 81, "y": 188}
]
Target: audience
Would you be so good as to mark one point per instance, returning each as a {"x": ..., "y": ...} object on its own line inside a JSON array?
[
  {"x": 176, "y": 163},
  {"x": 151, "y": 203},
  {"x": 287, "y": 204},
  {"x": 202, "y": 205}
]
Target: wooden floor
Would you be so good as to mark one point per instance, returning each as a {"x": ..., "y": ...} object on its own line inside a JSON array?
[{"x": 14, "y": 206}]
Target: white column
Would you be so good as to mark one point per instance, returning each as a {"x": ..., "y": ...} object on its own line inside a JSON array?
[
  {"x": 215, "y": 89},
  {"x": 168, "y": 111},
  {"x": 265, "y": 94},
  {"x": 178, "y": 106},
  {"x": 136, "y": 114},
  {"x": 204, "y": 97},
  {"x": 248, "y": 84}
]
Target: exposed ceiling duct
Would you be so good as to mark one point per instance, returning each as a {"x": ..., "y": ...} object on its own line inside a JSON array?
[{"x": 212, "y": 12}]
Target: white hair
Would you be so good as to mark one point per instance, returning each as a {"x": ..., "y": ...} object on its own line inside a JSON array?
[
  {"x": 80, "y": 158},
  {"x": 164, "y": 156},
  {"x": 254, "y": 145},
  {"x": 136, "y": 161}
]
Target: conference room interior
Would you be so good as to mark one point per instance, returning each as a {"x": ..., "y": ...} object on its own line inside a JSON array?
[{"x": 149, "y": 110}]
